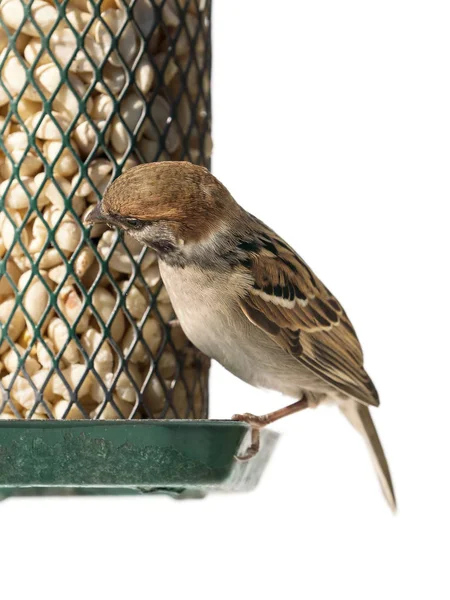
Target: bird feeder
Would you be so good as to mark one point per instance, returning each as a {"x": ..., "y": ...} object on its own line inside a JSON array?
[{"x": 92, "y": 362}]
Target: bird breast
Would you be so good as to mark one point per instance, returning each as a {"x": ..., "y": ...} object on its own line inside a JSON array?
[{"x": 205, "y": 304}]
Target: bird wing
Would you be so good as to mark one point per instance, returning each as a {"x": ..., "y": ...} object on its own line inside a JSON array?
[{"x": 294, "y": 308}]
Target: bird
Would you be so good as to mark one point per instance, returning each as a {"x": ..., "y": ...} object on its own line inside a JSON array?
[{"x": 245, "y": 298}]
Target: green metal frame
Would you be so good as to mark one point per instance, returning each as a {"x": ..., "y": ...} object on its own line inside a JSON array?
[
  {"x": 179, "y": 457},
  {"x": 198, "y": 102}
]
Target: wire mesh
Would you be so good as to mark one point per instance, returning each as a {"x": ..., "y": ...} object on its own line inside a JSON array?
[{"x": 89, "y": 89}]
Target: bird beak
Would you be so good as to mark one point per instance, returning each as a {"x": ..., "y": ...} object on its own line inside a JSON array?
[{"x": 96, "y": 215}]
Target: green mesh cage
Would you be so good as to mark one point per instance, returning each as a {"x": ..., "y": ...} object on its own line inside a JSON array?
[{"x": 89, "y": 89}]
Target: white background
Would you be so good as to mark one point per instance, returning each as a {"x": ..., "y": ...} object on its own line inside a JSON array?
[{"x": 331, "y": 123}]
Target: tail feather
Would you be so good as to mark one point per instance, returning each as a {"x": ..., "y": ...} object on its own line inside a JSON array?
[{"x": 359, "y": 416}]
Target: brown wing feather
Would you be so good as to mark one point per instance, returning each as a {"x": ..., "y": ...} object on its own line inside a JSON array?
[{"x": 291, "y": 304}]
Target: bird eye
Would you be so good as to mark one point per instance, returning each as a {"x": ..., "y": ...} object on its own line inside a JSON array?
[{"x": 133, "y": 222}]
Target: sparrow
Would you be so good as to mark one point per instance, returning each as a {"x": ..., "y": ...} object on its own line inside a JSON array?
[{"x": 244, "y": 297}]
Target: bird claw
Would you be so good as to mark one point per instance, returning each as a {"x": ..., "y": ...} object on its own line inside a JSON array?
[{"x": 250, "y": 453}]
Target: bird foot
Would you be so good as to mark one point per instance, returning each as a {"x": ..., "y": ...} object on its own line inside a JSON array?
[
  {"x": 256, "y": 424},
  {"x": 254, "y": 420}
]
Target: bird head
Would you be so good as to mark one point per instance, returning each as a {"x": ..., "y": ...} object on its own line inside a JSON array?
[{"x": 165, "y": 205}]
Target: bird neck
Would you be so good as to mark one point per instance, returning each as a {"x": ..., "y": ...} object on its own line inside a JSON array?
[{"x": 218, "y": 250}]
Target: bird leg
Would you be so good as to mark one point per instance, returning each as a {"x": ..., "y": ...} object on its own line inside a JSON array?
[
  {"x": 258, "y": 422},
  {"x": 261, "y": 421}
]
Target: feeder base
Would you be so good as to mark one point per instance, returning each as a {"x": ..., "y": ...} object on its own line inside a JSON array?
[{"x": 183, "y": 458}]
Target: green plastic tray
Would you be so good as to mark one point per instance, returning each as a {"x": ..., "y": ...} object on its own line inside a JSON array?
[{"x": 178, "y": 457}]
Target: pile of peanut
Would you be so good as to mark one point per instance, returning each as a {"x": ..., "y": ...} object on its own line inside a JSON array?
[{"x": 161, "y": 114}]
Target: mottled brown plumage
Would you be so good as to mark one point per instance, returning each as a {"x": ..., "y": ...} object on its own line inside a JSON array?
[
  {"x": 244, "y": 297},
  {"x": 292, "y": 305}
]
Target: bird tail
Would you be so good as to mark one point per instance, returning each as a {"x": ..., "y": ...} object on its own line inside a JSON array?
[{"x": 359, "y": 416}]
